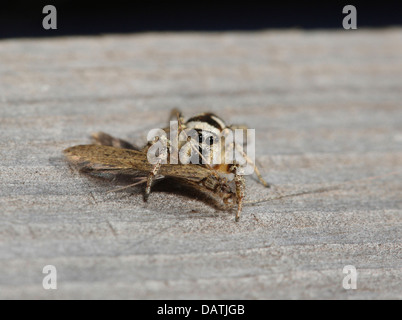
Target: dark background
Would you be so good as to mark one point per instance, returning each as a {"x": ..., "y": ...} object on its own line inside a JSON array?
[{"x": 23, "y": 18}]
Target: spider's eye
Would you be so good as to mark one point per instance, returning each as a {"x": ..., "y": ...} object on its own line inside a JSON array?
[
  {"x": 211, "y": 140},
  {"x": 200, "y": 138}
]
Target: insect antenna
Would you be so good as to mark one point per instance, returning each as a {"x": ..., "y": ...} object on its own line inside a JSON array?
[
  {"x": 140, "y": 180},
  {"x": 320, "y": 190}
]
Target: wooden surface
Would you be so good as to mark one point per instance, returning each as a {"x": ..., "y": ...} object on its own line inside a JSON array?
[{"x": 327, "y": 109}]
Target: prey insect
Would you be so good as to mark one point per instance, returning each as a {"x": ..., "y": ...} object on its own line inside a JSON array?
[{"x": 223, "y": 182}]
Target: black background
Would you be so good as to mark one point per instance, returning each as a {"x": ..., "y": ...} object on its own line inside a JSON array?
[{"x": 23, "y": 18}]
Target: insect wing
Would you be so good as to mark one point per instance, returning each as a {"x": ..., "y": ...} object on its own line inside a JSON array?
[
  {"x": 97, "y": 157},
  {"x": 106, "y": 158}
]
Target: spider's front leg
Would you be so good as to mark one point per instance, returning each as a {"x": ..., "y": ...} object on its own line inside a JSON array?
[
  {"x": 240, "y": 189},
  {"x": 239, "y": 148},
  {"x": 150, "y": 179},
  {"x": 163, "y": 152},
  {"x": 163, "y": 155}
]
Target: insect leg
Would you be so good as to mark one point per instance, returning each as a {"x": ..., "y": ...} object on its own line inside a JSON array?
[
  {"x": 151, "y": 176},
  {"x": 150, "y": 179},
  {"x": 246, "y": 157},
  {"x": 257, "y": 172},
  {"x": 240, "y": 190}
]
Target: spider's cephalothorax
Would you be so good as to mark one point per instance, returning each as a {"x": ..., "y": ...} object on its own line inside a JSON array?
[{"x": 207, "y": 144}]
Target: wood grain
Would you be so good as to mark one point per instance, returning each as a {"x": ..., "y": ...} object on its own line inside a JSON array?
[{"x": 326, "y": 107}]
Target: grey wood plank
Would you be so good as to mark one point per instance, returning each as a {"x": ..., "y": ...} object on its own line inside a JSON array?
[{"x": 326, "y": 106}]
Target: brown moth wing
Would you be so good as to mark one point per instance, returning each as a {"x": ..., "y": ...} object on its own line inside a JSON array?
[
  {"x": 106, "y": 158},
  {"x": 105, "y": 139}
]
